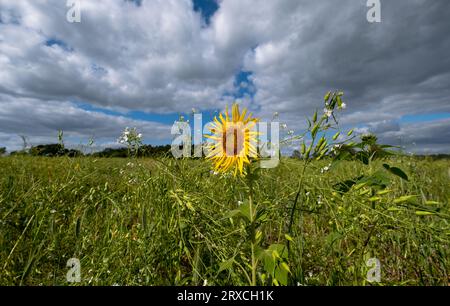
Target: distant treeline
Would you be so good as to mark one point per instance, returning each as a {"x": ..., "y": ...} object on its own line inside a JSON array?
[{"x": 55, "y": 150}]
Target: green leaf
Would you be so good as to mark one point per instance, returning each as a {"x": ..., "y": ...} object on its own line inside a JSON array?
[
  {"x": 379, "y": 179},
  {"x": 232, "y": 213},
  {"x": 282, "y": 276},
  {"x": 226, "y": 265},
  {"x": 399, "y": 172},
  {"x": 339, "y": 101},
  {"x": 261, "y": 215},
  {"x": 396, "y": 171},
  {"x": 280, "y": 249},
  {"x": 245, "y": 210},
  {"x": 78, "y": 227}
]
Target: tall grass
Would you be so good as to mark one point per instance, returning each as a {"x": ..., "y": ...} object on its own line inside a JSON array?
[{"x": 161, "y": 222}]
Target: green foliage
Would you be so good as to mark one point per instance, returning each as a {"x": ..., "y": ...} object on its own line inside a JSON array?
[
  {"x": 161, "y": 222},
  {"x": 52, "y": 150}
]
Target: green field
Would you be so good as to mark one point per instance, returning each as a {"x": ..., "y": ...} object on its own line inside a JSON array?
[{"x": 173, "y": 222}]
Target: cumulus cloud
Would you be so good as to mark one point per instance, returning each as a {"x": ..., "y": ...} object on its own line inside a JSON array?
[
  {"x": 162, "y": 57},
  {"x": 40, "y": 122}
]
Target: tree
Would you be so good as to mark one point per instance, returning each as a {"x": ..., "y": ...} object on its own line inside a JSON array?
[{"x": 2, "y": 151}]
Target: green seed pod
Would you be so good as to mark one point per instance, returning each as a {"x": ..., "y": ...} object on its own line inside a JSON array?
[{"x": 336, "y": 135}]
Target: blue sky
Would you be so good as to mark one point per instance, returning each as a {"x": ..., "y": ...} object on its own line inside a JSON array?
[{"x": 206, "y": 7}]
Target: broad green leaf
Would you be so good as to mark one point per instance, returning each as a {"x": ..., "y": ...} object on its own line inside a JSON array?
[
  {"x": 396, "y": 171},
  {"x": 399, "y": 172},
  {"x": 226, "y": 264},
  {"x": 282, "y": 276}
]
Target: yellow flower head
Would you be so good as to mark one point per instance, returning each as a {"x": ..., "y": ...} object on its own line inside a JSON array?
[{"x": 234, "y": 141}]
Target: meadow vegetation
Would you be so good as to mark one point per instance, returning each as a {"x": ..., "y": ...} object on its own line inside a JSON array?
[{"x": 173, "y": 222}]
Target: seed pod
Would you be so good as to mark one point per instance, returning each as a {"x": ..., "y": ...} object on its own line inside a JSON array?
[{"x": 336, "y": 135}]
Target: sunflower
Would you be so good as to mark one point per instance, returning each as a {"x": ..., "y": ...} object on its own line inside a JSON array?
[{"x": 233, "y": 141}]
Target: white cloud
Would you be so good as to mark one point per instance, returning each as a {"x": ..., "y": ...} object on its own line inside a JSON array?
[{"x": 160, "y": 57}]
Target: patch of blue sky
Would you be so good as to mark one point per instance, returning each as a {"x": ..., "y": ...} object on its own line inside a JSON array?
[
  {"x": 207, "y": 8},
  {"x": 424, "y": 117},
  {"x": 167, "y": 119},
  {"x": 56, "y": 42}
]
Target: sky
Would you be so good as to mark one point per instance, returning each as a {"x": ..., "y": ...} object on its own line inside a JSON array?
[{"x": 144, "y": 63}]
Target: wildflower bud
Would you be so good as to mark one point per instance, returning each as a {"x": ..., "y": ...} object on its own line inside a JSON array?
[
  {"x": 314, "y": 130},
  {"x": 315, "y": 117}
]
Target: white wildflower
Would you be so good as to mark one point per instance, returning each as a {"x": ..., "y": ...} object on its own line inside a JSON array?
[
  {"x": 52, "y": 211},
  {"x": 205, "y": 282},
  {"x": 324, "y": 169},
  {"x": 343, "y": 106},
  {"x": 328, "y": 112},
  {"x": 319, "y": 199}
]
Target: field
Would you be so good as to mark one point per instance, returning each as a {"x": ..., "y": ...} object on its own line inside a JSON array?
[{"x": 174, "y": 222}]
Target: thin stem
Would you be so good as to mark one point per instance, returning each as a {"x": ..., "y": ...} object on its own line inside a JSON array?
[{"x": 252, "y": 232}]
